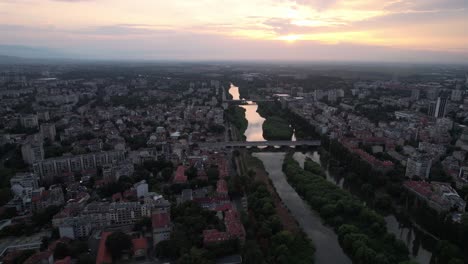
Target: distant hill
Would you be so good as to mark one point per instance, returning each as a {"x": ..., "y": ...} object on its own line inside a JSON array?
[{"x": 10, "y": 59}]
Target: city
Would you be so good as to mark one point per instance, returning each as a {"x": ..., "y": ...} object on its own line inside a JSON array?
[
  {"x": 202, "y": 165},
  {"x": 233, "y": 132}
]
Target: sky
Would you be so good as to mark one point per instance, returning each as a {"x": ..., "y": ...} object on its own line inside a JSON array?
[{"x": 303, "y": 30}]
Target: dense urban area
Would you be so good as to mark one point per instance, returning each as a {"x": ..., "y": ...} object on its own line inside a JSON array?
[{"x": 233, "y": 163}]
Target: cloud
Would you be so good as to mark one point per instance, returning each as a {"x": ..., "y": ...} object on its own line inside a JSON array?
[{"x": 427, "y": 5}]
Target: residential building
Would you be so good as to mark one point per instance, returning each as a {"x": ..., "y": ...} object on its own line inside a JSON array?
[
  {"x": 141, "y": 188},
  {"x": 438, "y": 195},
  {"x": 51, "y": 168},
  {"x": 418, "y": 165},
  {"x": 32, "y": 151},
  {"x": 29, "y": 121},
  {"x": 162, "y": 227},
  {"x": 48, "y": 131}
]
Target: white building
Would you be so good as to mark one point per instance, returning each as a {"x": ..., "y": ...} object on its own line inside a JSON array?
[
  {"x": 141, "y": 188},
  {"x": 32, "y": 152},
  {"x": 418, "y": 165}
]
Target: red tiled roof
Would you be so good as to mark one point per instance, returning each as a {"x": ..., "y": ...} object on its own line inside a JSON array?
[
  {"x": 223, "y": 207},
  {"x": 180, "y": 175},
  {"x": 233, "y": 225},
  {"x": 221, "y": 187},
  {"x": 66, "y": 260},
  {"x": 139, "y": 243},
  {"x": 103, "y": 255},
  {"x": 160, "y": 220},
  {"x": 420, "y": 187},
  {"x": 213, "y": 236}
]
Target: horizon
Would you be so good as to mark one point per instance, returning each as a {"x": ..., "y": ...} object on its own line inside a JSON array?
[{"x": 398, "y": 31}]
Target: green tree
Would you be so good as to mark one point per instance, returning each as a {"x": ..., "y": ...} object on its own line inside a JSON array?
[{"x": 117, "y": 244}]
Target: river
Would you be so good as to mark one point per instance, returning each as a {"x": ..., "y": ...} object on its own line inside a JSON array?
[
  {"x": 325, "y": 240},
  {"x": 323, "y": 237}
]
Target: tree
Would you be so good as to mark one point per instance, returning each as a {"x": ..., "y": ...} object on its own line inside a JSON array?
[
  {"x": 195, "y": 256},
  {"x": 61, "y": 251},
  {"x": 118, "y": 243}
]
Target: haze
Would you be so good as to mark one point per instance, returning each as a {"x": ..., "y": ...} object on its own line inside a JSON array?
[{"x": 305, "y": 30}]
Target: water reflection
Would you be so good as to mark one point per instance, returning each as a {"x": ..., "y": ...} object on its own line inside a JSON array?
[
  {"x": 234, "y": 92},
  {"x": 254, "y": 131}
]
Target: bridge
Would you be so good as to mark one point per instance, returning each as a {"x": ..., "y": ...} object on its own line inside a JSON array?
[
  {"x": 244, "y": 101},
  {"x": 271, "y": 143}
]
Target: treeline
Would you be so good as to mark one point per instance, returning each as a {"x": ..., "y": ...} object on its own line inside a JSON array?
[
  {"x": 361, "y": 174},
  {"x": 267, "y": 241},
  {"x": 236, "y": 116},
  {"x": 275, "y": 127},
  {"x": 361, "y": 231}
]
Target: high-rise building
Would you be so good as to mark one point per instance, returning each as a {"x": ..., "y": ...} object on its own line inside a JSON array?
[
  {"x": 32, "y": 152},
  {"x": 418, "y": 165},
  {"x": 48, "y": 131},
  {"x": 415, "y": 93},
  {"x": 456, "y": 95},
  {"x": 432, "y": 93},
  {"x": 438, "y": 109}
]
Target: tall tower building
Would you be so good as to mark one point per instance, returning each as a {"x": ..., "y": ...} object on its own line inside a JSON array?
[{"x": 438, "y": 109}]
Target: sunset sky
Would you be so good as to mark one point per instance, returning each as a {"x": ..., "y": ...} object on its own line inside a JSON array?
[{"x": 362, "y": 30}]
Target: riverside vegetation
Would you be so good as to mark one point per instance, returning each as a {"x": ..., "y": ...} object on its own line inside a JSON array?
[{"x": 361, "y": 231}]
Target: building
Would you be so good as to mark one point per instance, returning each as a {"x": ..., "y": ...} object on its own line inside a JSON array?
[
  {"x": 418, "y": 165},
  {"x": 25, "y": 179},
  {"x": 234, "y": 230},
  {"x": 48, "y": 131},
  {"x": 32, "y": 152},
  {"x": 140, "y": 248},
  {"x": 415, "y": 93},
  {"x": 42, "y": 198},
  {"x": 103, "y": 256},
  {"x": 51, "y": 168},
  {"x": 438, "y": 109},
  {"x": 76, "y": 221},
  {"x": 432, "y": 93},
  {"x": 456, "y": 95},
  {"x": 180, "y": 176},
  {"x": 141, "y": 188},
  {"x": 112, "y": 172},
  {"x": 29, "y": 121},
  {"x": 162, "y": 227},
  {"x": 438, "y": 195}
]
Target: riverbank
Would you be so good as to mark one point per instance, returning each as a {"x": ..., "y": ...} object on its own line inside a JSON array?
[
  {"x": 236, "y": 116},
  {"x": 270, "y": 227},
  {"x": 362, "y": 232},
  {"x": 249, "y": 163},
  {"x": 325, "y": 240}
]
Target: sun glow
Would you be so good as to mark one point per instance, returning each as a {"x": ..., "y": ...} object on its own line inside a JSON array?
[{"x": 290, "y": 38}]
